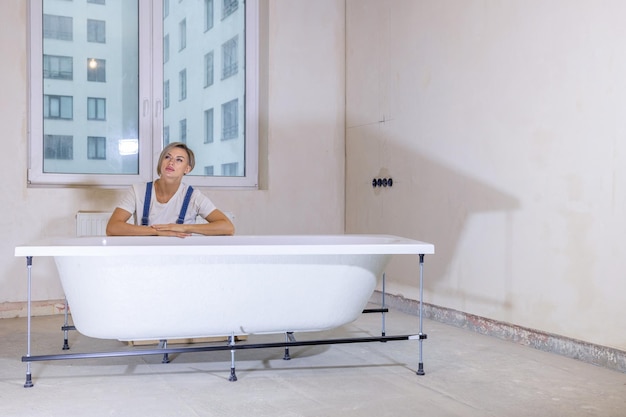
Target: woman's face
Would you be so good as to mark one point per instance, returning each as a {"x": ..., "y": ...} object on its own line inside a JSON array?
[{"x": 175, "y": 163}]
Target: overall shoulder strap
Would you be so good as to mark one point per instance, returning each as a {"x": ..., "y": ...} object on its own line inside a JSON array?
[
  {"x": 146, "y": 204},
  {"x": 183, "y": 210}
]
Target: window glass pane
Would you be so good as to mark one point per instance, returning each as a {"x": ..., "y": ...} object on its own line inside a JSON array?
[
  {"x": 88, "y": 138},
  {"x": 207, "y": 105}
]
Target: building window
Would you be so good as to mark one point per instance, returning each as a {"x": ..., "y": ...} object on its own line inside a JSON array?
[
  {"x": 166, "y": 94},
  {"x": 96, "y": 1},
  {"x": 182, "y": 33},
  {"x": 229, "y": 58},
  {"x": 208, "y": 170},
  {"x": 58, "y": 147},
  {"x": 58, "y": 67},
  {"x": 96, "y": 147},
  {"x": 96, "y": 108},
  {"x": 166, "y": 8},
  {"x": 208, "y": 126},
  {"x": 208, "y": 15},
  {"x": 230, "y": 170},
  {"x": 96, "y": 70},
  {"x": 166, "y": 135},
  {"x": 57, "y": 27},
  {"x": 230, "y": 119},
  {"x": 96, "y": 31},
  {"x": 229, "y": 7},
  {"x": 208, "y": 69},
  {"x": 182, "y": 127},
  {"x": 58, "y": 107},
  {"x": 166, "y": 48},
  {"x": 182, "y": 84}
]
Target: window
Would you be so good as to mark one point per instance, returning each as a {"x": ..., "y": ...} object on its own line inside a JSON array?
[
  {"x": 166, "y": 135},
  {"x": 96, "y": 70},
  {"x": 166, "y": 48},
  {"x": 229, "y": 170},
  {"x": 96, "y": 147},
  {"x": 57, "y": 27},
  {"x": 208, "y": 15},
  {"x": 58, "y": 147},
  {"x": 208, "y": 170},
  {"x": 166, "y": 94},
  {"x": 96, "y": 31},
  {"x": 96, "y": 1},
  {"x": 229, "y": 58},
  {"x": 230, "y": 120},
  {"x": 96, "y": 108},
  {"x": 58, "y": 107},
  {"x": 121, "y": 70},
  {"x": 182, "y": 128},
  {"x": 182, "y": 33},
  {"x": 208, "y": 126},
  {"x": 182, "y": 84},
  {"x": 208, "y": 69},
  {"x": 58, "y": 67},
  {"x": 229, "y": 7}
]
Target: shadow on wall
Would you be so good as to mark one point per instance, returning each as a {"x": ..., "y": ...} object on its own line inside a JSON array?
[{"x": 432, "y": 202}]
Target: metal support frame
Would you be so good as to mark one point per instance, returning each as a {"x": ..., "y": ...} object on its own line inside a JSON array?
[{"x": 164, "y": 350}]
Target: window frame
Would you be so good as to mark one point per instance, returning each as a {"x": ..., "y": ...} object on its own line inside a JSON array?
[{"x": 150, "y": 123}]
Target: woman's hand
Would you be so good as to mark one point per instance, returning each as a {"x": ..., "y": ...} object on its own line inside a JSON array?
[{"x": 171, "y": 229}]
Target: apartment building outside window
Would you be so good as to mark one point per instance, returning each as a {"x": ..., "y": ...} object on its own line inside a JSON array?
[
  {"x": 96, "y": 108},
  {"x": 58, "y": 107},
  {"x": 96, "y": 31},
  {"x": 96, "y": 147},
  {"x": 58, "y": 67},
  {"x": 230, "y": 61},
  {"x": 96, "y": 70},
  {"x": 230, "y": 119}
]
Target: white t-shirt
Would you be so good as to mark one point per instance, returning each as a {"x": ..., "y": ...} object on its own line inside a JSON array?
[{"x": 199, "y": 204}]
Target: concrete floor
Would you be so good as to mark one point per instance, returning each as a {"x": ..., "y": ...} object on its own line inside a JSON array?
[{"x": 467, "y": 374}]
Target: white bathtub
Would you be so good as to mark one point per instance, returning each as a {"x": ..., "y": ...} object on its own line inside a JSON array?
[{"x": 146, "y": 288}]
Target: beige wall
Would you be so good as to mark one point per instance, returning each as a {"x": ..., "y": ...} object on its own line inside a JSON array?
[
  {"x": 503, "y": 127},
  {"x": 302, "y": 147}
]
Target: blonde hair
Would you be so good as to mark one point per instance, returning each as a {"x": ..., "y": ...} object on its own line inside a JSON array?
[{"x": 181, "y": 145}]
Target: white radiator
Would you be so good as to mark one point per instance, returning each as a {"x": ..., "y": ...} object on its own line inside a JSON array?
[{"x": 92, "y": 223}]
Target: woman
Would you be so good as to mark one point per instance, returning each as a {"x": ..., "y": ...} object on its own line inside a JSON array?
[{"x": 167, "y": 206}]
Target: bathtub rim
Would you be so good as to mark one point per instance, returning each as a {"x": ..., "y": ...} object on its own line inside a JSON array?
[{"x": 338, "y": 244}]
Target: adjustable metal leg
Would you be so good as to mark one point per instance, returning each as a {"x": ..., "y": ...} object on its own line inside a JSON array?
[
  {"x": 383, "y": 308},
  {"x": 289, "y": 337},
  {"x": 29, "y": 265},
  {"x": 166, "y": 356},
  {"x": 66, "y": 345},
  {"x": 422, "y": 336},
  {"x": 233, "y": 376}
]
